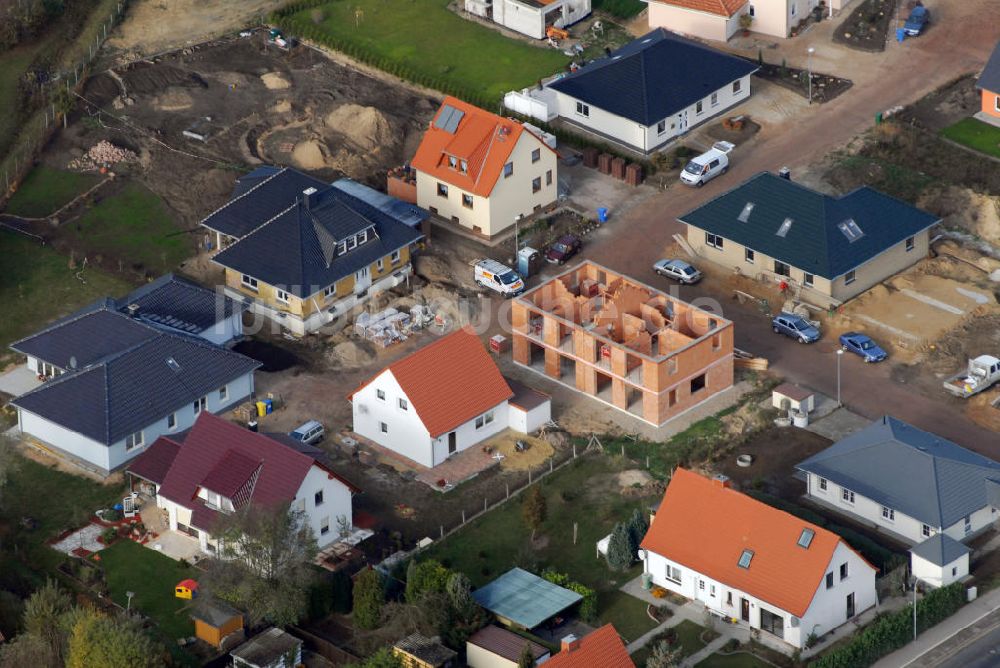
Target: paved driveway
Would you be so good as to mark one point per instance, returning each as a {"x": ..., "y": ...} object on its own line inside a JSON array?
[{"x": 960, "y": 41}]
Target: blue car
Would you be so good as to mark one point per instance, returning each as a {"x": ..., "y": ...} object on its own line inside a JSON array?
[
  {"x": 796, "y": 327},
  {"x": 862, "y": 344},
  {"x": 918, "y": 20}
]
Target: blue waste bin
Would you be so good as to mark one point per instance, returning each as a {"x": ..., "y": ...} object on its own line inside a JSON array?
[
  {"x": 269, "y": 406},
  {"x": 900, "y": 34},
  {"x": 602, "y": 215}
]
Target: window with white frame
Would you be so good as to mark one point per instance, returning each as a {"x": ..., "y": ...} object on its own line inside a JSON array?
[
  {"x": 888, "y": 514},
  {"x": 909, "y": 244},
  {"x": 508, "y": 170},
  {"x": 383, "y": 427},
  {"x": 281, "y": 296},
  {"x": 395, "y": 256},
  {"x": 737, "y": 86},
  {"x": 849, "y": 277},
  {"x": 714, "y": 100},
  {"x": 324, "y": 526},
  {"x": 661, "y": 127},
  {"x": 749, "y": 255},
  {"x": 403, "y": 405},
  {"x": 808, "y": 280},
  {"x": 133, "y": 441},
  {"x": 380, "y": 265},
  {"x": 442, "y": 190},
  {"x": 699, "y": 107},
  {"x": 822, "y": 484},
  {"x": 844, "y": 572},
  {"x": 200, "y": 405},
  {"x": 172, "y": 421},
  {"x": 536, "y": 155},
  {"x": 673, "y": 574},
  {"x": 467, "y": 200},
  {"x": 701, "y": 585},
  {"x": 846, "y": 495},
  {"x": 249, "y": 281},
  {"x": 996, "y": 103},
  {"x": 329, "y": 291},
  {"x": 223, "y": 393},
  {"x": 484, "y": 419},
  {"x": 582, "y": 109},
  {"x": 212, "y": 499},
  {"x": 713, "y": 240}
]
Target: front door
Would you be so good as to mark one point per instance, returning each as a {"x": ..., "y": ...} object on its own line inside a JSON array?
[
  {"x": 850, "y": 605},
  {"x": 745, "y": 610},
  {"x": 452, "y": 443},
  {"x": 362, "y": 281},
  {"x": 682, "y": 122}
]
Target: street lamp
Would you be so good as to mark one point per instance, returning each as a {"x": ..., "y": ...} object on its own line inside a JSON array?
[
  {"x": 916, "y": 581},
  {"x": 809, "y": 66},
  {"x": 840, "y": 355},
  {"x": 517, "y": 247}
]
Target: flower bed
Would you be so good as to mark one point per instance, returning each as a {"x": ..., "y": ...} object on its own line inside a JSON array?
[
  {"x": 825, "y": 87},
  {"x": 867, "y": 27}
]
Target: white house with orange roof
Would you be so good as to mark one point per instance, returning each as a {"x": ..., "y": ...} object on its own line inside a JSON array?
[
  {"x": 720, "y": 19},
  {"x": 482, "y": 171},
  {"x": 442, "y": 399},
  {"x": 752, "y": 563}
]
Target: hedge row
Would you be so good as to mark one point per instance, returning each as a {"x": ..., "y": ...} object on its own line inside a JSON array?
[
  {"x": 892, "y": 631},
  {"x": 296, "y": 25}
]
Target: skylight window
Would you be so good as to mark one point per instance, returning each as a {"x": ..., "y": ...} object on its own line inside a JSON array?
[
  {"x": 806, "y": 538},
  {"x": 172, "y": 363},
  {"x": 785, "y": 226},
  {"x": 745, "y": 213},
  {"x": 851, "y": 230},
  {"x": 745, "y": 559}
]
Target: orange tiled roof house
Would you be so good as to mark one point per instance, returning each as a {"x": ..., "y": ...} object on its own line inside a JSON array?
[
  {"x": 720, "y": 19},
  {"x": 442, "y": 399},
  {"x": 481, "y": 171},
  {"x": 752, "y": 563}
]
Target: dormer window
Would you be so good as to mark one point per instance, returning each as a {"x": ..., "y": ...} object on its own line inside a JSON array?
[
  {"x": 452, "y": 161},
  {"x": 362, "y": 237},
  {"x": 341, "y": 248},
  {"x": 463, "y": 166},
  {"x": 212, "y": 499}
]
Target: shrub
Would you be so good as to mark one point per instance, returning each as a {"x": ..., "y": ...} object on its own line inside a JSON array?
[{"x": 109, "y": 535}]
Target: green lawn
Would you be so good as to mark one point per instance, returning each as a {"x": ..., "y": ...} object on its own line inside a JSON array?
[
  {"x": 440, "y": 48},
  {"x": 585, "y": 492},
  {"x": 134, "y": 226},
  {"x": 68, "y": 501},
  {"x": 46, "y": 190},
  {"x": 975, "y": 134},
  {"x": 688, "y": 639},
  {"x": 13, "y": 65},
  {"x": 129, "y": 566},
  {"x": 39, "y": 286},
  {"x": 623, "y": 9}
]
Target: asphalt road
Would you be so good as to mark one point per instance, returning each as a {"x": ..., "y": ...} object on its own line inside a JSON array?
[
  {"x": 961, "y": 40},
  {"x": 983, "y": 653}
]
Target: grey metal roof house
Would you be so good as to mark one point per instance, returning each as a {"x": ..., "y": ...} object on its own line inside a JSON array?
[
  {"x": 910, "y": 482},
  {"x": 940, "y": 550},
  {"x": 660, "y": 77},
  {"x": 523, "y": 599},
  {"x": 175, "y": 302},
  {"x": 116, "y": 382},
  {"x": 833, "y": 246}
]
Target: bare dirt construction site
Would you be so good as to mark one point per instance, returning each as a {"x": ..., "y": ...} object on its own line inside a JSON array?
[{"x": 242, "y": 103}]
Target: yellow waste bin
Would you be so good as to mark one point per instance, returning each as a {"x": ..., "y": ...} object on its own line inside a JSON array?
[{"x": 261, "y": 409}]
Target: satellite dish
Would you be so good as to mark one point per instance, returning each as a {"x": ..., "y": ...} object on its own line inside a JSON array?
[{"x": 72, "y": 362}]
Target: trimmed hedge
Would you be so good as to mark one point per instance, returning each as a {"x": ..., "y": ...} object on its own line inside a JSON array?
[{"x": 890, "y": 632}]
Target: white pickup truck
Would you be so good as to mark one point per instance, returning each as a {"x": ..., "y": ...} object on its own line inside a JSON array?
[{"x": 981, "y": 374}]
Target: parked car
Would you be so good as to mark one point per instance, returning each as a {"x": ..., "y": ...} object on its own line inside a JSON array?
[
  {"x": 917, "y": 21},
  {"x": 796, "y": 327},
  {"x": 862, "y": 344},
  {"x": 679, "y": 270},
  {"x": 562, "y": 250},
  {"x": 705, "y": 167},
  {"x": 311, "y": 432}
]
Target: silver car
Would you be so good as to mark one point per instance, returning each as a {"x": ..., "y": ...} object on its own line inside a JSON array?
[{"x": 679, "y": 270}]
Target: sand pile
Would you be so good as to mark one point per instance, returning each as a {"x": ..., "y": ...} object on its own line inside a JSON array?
[
  {"x": 309, "y": 155},
  {"x": 274, "y": 81},
  {"x": 351, "y": 354},
  {"x": 365, "y": 126},
  {"x": 282, "y": 107}
]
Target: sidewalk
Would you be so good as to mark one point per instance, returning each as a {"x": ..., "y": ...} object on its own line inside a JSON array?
[{"x": 940, "y": 641}]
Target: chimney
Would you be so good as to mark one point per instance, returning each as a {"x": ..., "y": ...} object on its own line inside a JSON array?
[
  {"x": 785, "y": 173},
  {"x": 570, "y": 643},
  {"x": 133, "y": 309},
  {"x": 722, "y": 480},
  {"x": 309, "y": 198}
]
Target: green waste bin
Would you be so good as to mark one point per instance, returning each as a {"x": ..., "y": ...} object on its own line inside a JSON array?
[
  {"x": 647, "y": 581},
  {"x": 878, "y": 118}
]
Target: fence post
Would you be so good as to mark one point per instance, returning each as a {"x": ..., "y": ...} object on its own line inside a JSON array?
[
  {"x": 463, "y": 516},
  {"x": 507, "y": 485},
  {"x": 575, "y": 527},
  {"x": 623, "y": 449},
  {"x": 442, "y": 531},
  {"x": 484, "y": 504},
  {"x": 550, "y": 466},
  {"x": 529, "y": 476},
  {"x": 574, "y": 451}
]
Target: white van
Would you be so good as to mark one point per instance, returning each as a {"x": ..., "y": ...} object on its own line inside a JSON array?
[
  {"x": 705, "y": 167},
  {"x": 498, "y": 277}
]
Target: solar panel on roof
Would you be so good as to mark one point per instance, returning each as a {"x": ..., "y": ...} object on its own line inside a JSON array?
[{"x": 449, "y": 118}]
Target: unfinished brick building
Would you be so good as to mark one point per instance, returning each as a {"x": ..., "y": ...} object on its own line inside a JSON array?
[{"x": 623, "y": 342}]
